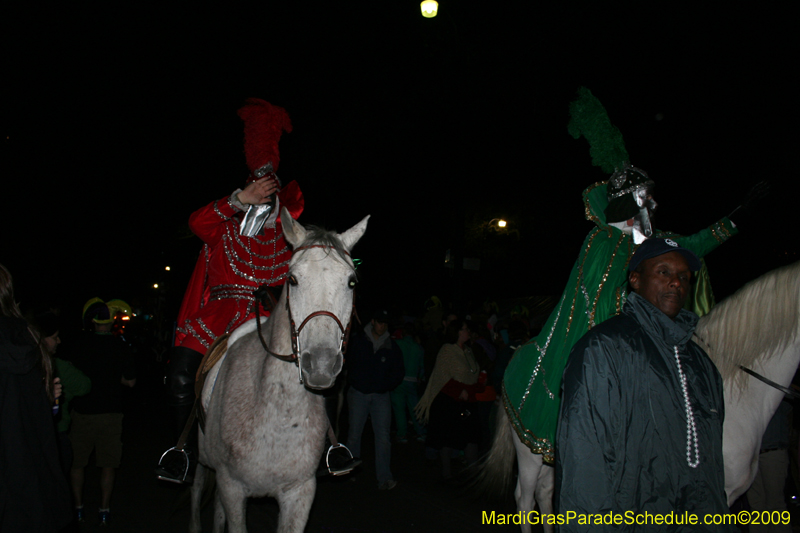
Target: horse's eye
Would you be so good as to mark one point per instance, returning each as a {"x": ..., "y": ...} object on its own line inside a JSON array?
[
  {"x": 352, "y": 283},
  {"x": 292, "y": 281}
]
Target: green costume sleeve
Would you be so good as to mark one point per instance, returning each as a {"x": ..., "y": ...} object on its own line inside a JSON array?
[
  {"x": 75, "y": 384},
  {"x": 704, "y": 241}
]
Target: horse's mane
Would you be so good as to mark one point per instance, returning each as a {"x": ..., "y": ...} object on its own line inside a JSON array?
[
  {"x": 759, "y": 319},
  {"x": 322, "y": 237}
]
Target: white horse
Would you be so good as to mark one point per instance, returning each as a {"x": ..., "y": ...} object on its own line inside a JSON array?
[
  {"x": 759, "y": 328},
  {"x": 264, "y": 429}
]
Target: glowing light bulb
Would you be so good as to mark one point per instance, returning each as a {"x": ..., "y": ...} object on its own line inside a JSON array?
[{"x": 429, "y": 8}]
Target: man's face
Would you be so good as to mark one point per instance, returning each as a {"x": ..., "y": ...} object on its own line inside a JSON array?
[
  {"x": 664, "y": 282},
  {"x": 379, "y": 328}
]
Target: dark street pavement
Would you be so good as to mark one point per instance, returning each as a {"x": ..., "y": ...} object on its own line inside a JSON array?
[
  {"x": 349, "y": 504},
  {"x": 421, "y": 502}
]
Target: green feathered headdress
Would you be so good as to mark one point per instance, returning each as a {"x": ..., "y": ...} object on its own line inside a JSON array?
[{"x": 588, "y": 117}]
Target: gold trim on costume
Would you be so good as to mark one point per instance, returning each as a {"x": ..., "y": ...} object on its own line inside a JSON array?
[
  {"x": 536, "y": 444},
  {"x": 589, "y": 214},
  {"x": 605, "y": 278},
  {"x": 580, "y": 277}
]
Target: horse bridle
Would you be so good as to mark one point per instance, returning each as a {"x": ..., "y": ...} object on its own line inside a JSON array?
[{"x": 294, "y": 357}]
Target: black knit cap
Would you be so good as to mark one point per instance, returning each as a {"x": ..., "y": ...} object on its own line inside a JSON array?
[{"x": 381, "y": 316}]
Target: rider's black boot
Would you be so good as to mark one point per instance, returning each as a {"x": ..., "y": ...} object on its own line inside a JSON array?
[{"x": 177, "y": 465}]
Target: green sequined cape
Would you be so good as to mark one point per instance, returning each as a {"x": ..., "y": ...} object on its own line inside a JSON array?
[{"x": 595, "y": 292}]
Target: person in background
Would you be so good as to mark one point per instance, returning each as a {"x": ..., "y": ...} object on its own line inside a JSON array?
[
  {"x": 375, "y": 368},
  {"x": 448, "y": 403},
  {"x": 34, "y": 494},
  {"x": 406, "y": 395},
  {"x": 74, "y": 382},
  {"x": 97, "y": 416}
]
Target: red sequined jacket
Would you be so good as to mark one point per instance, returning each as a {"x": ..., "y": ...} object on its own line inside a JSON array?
[{"x": 230, "y": 267}]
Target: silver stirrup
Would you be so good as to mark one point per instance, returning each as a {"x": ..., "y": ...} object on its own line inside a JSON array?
[
  {"x": 347, "y": 467},
  {"x": 181, "y": 479}
]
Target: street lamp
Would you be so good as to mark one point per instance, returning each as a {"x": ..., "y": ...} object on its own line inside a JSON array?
[{"x": 429, "y": 8}]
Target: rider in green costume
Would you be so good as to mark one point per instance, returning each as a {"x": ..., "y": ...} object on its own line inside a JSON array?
[
  {"x": 597, "y": 284},
  {"x": 595, "y": 292}
]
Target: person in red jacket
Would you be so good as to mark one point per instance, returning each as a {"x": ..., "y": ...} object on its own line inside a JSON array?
[{"x": 244, "y": 248}]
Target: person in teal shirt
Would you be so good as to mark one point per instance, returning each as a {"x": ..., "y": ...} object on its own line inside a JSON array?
[{"x": 406, "y": 395}]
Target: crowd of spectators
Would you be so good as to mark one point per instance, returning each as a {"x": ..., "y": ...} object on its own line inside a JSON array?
[{"x": 445, "y": 396}]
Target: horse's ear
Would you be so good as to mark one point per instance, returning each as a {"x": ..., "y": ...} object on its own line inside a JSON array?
[
  {"x": 293, "y": 231},
  {"x": 351, "y": 236}
]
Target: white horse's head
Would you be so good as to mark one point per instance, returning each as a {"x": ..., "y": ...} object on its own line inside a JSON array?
[{"x": 320, "y": 289}]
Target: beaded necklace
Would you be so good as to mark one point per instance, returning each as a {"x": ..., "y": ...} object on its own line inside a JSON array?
[{"x": 691, "y": 429}]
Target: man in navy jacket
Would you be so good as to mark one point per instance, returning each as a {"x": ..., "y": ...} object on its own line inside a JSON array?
[{"x": 375, "y": 368}]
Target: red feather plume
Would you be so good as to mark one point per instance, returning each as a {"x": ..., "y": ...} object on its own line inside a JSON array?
[{"x": 263, "y": 125}]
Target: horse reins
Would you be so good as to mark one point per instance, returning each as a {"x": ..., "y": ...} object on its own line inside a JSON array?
[
  {"x": 786, "y": 390},
  {"x": 294, "y": 357}
]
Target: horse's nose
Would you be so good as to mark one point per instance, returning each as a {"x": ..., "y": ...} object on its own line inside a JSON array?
[{"x": 320, "y": 369}]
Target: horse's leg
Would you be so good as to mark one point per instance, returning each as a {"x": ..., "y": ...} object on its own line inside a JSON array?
[
  {"x": 530, "y": 465},
  {"x": 295, "y": 504},
  {"x": 233, "y": 499},
  {"x": 219, "y": 514},
  {"x": 197, "y": 494},
  {"x": 545, "y": 485}
]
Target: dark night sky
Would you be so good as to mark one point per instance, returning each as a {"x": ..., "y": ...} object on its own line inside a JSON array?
[{"x": 118, "y": 122}]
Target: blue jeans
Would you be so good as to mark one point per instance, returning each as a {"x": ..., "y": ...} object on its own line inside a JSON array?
[{"x": 378, "y": 406}]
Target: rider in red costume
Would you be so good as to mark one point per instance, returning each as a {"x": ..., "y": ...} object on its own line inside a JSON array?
[
  {"x": 244, "y": 248},
  {"x": 231, "y": 266}
]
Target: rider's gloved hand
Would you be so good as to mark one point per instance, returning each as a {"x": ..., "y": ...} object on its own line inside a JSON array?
[{"x": 745, "y": 211}]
